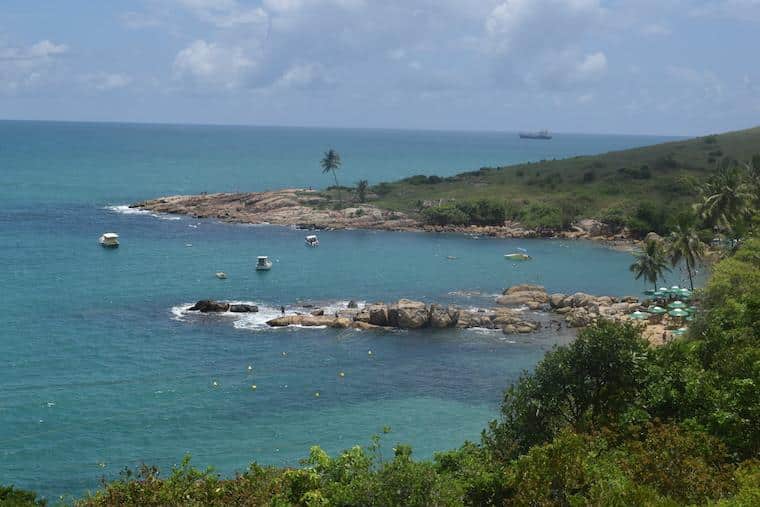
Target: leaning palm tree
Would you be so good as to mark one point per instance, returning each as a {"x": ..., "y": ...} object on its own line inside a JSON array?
[
  {"x": 650, "y": 262},
  {"x": 726, "y": 198},
  {"x": 685, "y": 245},
  {"x": 332, "y": 162}
]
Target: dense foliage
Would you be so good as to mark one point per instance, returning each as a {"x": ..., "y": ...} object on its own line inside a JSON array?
[{"x": 480, "y": 212}]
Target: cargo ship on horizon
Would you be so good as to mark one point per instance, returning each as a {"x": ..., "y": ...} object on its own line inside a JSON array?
[{"x": 541, "y": 134}]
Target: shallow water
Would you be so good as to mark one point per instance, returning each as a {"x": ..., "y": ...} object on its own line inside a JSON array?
[{"x": 101, "y": 370}]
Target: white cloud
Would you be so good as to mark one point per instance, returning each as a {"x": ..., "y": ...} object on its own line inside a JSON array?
[
  {"x": 213, "y": 65},
  {"x": 103, "y": 81},
  {"x": 742, "y": 10},
  {"x": 224, "y": 13},
  {"x": 310, "y": 75},
  {"x": 538, "y": 24},
  {"x": 27, "y": 67}
]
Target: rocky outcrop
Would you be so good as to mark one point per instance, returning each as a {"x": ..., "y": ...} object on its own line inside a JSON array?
[
  {"x": 581, "y": 309},
  {"x": 243, "y": 308},
  {"x": 441, "y": 317},
  {"x": 532, "y": 296},
  {"x": 408, "y": 314},
  {"x": 209, "y": 306}
]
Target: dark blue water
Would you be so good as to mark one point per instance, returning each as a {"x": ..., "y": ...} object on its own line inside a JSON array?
[{"x": 101, "y": 369}]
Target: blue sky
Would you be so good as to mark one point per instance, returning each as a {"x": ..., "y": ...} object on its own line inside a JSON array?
[{"x": 626, "y": 66}]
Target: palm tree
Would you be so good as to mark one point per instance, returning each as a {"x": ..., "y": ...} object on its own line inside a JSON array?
[
  {"x": 685, "y": 245},
  {"x": 650, "y": 262},
  {"x": 332, "y": 162},
  {"x": 725, "y": 197},
  {"x": 361, "y": 189}
]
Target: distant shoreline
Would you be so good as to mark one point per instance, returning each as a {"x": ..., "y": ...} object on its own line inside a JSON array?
[{"x": 309, "y": 209}]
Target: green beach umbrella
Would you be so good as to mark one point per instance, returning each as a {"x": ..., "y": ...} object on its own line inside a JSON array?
[
  {"x": 690, "y": 318},
  {"x": 677, "y": 304},
  {"x": 692, "y": 309},
  {"x": 649, "y": 292},
  {"x": 679, "y": 332},
  {"x": 678, "y": 312},
  {"x": 663, "y": 289},
  {"x": 659, "y": 294},
  {"x": 657, "y": 310},
  {"x": 675, "y": 288},
  {"x": 684, "y": 293},
  {"x": 637, "y": 315}
]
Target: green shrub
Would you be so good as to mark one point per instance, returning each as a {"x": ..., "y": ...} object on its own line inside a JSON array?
[
  {"x": 12, "y": 497},
  {"x": 445, "y": 214}
]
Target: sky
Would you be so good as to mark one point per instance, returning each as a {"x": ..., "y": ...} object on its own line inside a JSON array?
[{"x": 670, "y": 67}]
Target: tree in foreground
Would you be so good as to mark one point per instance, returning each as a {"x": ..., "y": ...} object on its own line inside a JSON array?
[
  {"x": 330, "y": 163},
  {"x": 650, "y": 262},
  {"x": 726, "y": 199}
]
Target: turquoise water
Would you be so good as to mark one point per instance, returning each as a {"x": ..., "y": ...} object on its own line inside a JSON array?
[{"x": 102, "y": 369}]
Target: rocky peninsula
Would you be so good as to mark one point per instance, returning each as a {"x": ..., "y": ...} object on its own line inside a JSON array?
[
  {"x": 311, "y": 209},
  {"x": 508, "y": 315}
]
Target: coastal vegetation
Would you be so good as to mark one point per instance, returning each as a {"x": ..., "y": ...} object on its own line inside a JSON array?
[{"x": 640, "y": 190}]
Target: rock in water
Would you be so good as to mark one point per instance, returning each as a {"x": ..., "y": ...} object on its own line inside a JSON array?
[
  {"x": 243, "y": 308},
  {"x": 441, "y": 317},
  {"x": 207, "y": 306},
  {"x": 353, "y": 304},
  {"x": 378, "y": 314},
  {"x": 408, "y": 314}
]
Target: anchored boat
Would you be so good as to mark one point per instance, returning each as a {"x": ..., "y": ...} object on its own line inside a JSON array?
[
  {"x": 109, "y": 240},
  {"x": 312, "y": 241},
  {"x": 517, "y": 257},
  {"x": 263, "y": 263}
]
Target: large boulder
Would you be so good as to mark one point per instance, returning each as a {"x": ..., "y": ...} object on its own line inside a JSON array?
[
  {"x": 468, "y": 319},
  {"x": 578, "y": 317},
  {"x": 349, "y": 314},
  {"x": 341, "y": 323},
  {"x": 378, "y": 314},
  {"x": 207, "y": 306},
  {"x": 441, "y": 317},
  {"x": 243, "y": 308},
  {"x": 524, "y": 295},
  {"x": 302, "y": 320},
  {"x": 580, "y": 299},
  {"x": 557, "y": 300},
  {"x": 593, "y": 227},
  {"x": 358, "y": 324},
  {"x": 353, "y": 304},
  {"x": 408, "y": 314}
]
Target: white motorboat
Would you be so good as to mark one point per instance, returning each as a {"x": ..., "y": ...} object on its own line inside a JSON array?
[
  {"x": 263, "y": 263},
  {"x": 517, "y": 256},
  {"x": 221, "y": 275},
  {"x": 312, "y": 241},
  {"x": 109, "y": 240}
]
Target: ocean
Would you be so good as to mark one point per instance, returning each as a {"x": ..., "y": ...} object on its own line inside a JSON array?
[{"x": 102, "y": 369}]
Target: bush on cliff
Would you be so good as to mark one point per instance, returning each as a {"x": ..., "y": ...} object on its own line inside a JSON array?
[{"x": 481, "y": 212}]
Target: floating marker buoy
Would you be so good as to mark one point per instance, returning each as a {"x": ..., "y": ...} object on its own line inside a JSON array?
[
  {"x": 253, "y": 387},
  {"x": 316, "y": 394},
  {"x": 215, "y": 383},
  {"x": 341, "y": 374},
  {"x": 369, "y": 352}
]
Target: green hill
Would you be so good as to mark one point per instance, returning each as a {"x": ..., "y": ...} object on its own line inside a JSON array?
[{"x": 618, "y": 187}]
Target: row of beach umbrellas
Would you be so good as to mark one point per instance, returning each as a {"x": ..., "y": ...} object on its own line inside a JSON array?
[
  {"x": 673, "y": 292},
  {"x": 677, "y": 309}
]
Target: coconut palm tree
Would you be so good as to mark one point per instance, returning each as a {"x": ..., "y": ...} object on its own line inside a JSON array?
[
  {"x": 361, "y": 189},
  {"x": 726, "y": 198},
  {"x": 685, "y": 245},
  {"x": 332, "y": 162},
  {"x": 650, "y": 262}
]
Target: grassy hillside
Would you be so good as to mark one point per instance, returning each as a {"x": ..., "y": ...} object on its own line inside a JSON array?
[{"x": 603, "y": 186}]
